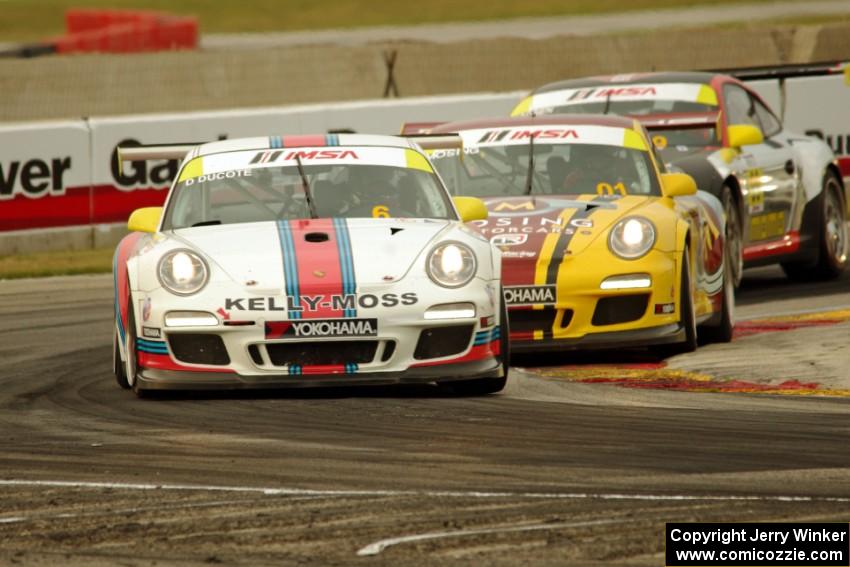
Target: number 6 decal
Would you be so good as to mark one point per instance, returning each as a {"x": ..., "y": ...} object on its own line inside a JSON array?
[{"x": 381, "y": 212}]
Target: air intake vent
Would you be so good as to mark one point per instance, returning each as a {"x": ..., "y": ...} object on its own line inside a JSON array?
[
  {"x": 438, "y": 342},
  {"x": 389, "y": 349},
  {"x": 316, "y": 237},
  {"x": 620, "y": 309},
  {"x": 322, "y": 353},
  {"x": 199, "y": 349},
  {"x": 254, "y": 351},
  {"x": 527, "y": 320}
]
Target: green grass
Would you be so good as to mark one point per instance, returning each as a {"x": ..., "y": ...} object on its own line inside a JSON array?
[
  {"x": 31, "y": 20},
  {"x": 43, "y": 264}
]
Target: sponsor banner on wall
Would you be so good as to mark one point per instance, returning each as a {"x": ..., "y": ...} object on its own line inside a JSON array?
[{"x": 55, "y": 174}]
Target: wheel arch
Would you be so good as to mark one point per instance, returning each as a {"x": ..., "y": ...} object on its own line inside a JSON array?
[
  {"x": 124, "y": 275},
  {"x": 836, "y": 171},
  {"x": 732, "y": 182},
  {"x": 683, "y": 243}
]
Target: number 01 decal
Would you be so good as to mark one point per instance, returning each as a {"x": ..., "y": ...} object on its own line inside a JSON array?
[{"x": 608, "y": 189}]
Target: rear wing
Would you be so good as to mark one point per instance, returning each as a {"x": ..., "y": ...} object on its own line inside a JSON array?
[
  {"x": 145, "y": 153},
  {"x": 782, "y": 72},
  {"x": 413, "y": 128},
  {"x": 437, "y": 141}
]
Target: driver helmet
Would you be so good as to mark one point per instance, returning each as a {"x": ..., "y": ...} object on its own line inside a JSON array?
[
  {"x": 373, "y": 184},
  {"x": 593, "y": 160}
]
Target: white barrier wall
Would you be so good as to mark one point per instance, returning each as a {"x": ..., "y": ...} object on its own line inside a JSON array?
[
  {"x": 821, "y": 108},
  {"x": 64, "y": 173}
]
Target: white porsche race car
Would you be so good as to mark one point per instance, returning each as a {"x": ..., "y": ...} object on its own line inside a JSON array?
[{"x": 305, "y": 261}]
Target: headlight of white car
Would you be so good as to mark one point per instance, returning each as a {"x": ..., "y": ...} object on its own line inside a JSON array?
[
  {"x": 452, "y": 264},
  {"x": 631, "y": 238},
  {"x": 182, "y": 272}
]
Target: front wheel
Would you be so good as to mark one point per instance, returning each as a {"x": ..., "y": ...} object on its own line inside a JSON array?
[
  {"x": 482, "y": 386},
  {"x": 687, "y": 315},
  {"x": 723, "y": 331},
  {"x": 118, "y": 367},
  {"x": 131, "y": 366},
  {"x": 734, "y": 236},
  {"x": 832, "y": 238}
]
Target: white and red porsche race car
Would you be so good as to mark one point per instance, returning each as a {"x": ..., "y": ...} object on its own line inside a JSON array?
[
  {"x": 304, "y": 261},
  {"x": 782, "y": 192}
]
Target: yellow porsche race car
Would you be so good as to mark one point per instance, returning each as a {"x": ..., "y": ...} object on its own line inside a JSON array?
[{"x": 601, "y": 248}]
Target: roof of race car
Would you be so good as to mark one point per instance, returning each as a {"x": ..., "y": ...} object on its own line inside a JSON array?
[
  {"x": 609, "y": 120},
  {"x": 660, "y": 77},
  {"x": 301, "y": 141}
]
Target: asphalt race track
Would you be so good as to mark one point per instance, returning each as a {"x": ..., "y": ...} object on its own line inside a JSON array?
[{"x": 546, "y": 473}]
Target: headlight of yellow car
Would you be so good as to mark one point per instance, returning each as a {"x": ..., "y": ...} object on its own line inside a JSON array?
[
  {"x": 632, "y": 237},
  {"x": 182, "y": 272},
  {"x": 451, "y": 264}
]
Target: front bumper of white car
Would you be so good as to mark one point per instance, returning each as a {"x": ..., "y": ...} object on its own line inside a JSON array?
[{"x": 263, "y": 348}]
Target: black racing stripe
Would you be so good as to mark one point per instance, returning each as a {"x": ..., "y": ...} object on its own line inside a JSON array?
[
  {"x": 548, "y": 334},
  {"x": 565, "y": 237}
]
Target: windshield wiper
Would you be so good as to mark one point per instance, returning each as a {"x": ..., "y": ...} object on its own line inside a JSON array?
[
  {"x": 206, "y": 223},
  {"x": 607, "y": 103},
  {"x": 306, "y": 185},
  {"x": 529, "y": 179}
]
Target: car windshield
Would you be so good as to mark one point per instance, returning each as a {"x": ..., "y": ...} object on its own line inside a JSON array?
[
  {"x": 637, "y": 100},
  {"x": 559, "y": 169},
  {"x": 239, "y": 187},
  {"x": 685, "y": 137},
  {"x": 632, "y": 107}
]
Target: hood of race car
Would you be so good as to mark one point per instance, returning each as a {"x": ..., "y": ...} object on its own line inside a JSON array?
[
  {"x": 535, "y": 233},
  {"x": 319, "y": 254}
]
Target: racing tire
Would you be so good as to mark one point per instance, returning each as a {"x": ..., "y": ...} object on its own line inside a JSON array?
[
  {"x": 832, "y": 238},
  {"x": 725, "y": 329},
  {"x": 131, "y": 367},
  {"x": 118, "y": 364},
  {"x": 688, "y": 315},
  {"x": 483, "y": 386},
  {"x": 733, "y": 239}
]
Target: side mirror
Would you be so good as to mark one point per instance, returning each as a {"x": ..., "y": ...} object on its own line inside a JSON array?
[
  {"x": 677, "y": 185},
  {"x": 144, "y": 220},
  {"x": 743, "y": 135},
  {"x": 470, "y": 208}
]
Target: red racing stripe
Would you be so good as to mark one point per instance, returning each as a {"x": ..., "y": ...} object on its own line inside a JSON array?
[
  {"x": 126, "y": 248},
  {"x": 785, "y": 245},
  {"x": 164, "y": 362},
  {"x": 304, "y": 141},
  {"x": 520, "y": 271},
  {"x": 522, "y": 336},
  {"x": 276, "y": 329},
  {"x": 844, "y": 165},
  {"x": 322, "y": 369},
  {"x": 319, "y": 268}
]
